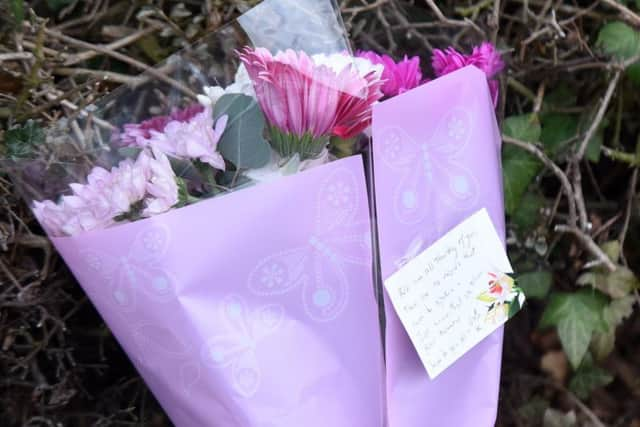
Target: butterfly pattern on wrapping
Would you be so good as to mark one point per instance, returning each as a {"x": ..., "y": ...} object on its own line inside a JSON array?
[
  {"x": 235, "y": 346},
  {"x": 430, "y": 171},
  {"x": 139, "y": 270},
  {"x": 316, "y": 267}
]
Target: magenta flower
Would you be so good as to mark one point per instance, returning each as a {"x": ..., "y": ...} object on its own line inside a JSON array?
[
  {"x": 398, "y": 77},
  {"x": 311, "y": 98},
  {"x": 110, "y": 194},
  {"x": 485, "y": 57},
  {"x": 138, "y": 134},
  {"x": 195, "y": 138}
]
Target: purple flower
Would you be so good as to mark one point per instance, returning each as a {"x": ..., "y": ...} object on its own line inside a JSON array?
[
  {"x": 138, "y": 134},
  {"x": 110, "y": 194},
  {"x": 161, "y": 187},
  {"x": 398, "y": 77},
  {"x": 195, "y": 138},
  {"x": 485, "y": 57}
]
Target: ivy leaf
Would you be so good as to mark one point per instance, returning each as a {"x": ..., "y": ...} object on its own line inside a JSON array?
[
  {"x": 518, "y": 166},
  {"x": 619, "y": 40},
  {"x": 576, "y": 315},
  {"x": 20, "y": 141},
  {"x": 588, "y": 378},
  {"x": 613, "y": 314},
  {"x": 535, "y": 284},
  {"x": 557, "y": 130},
  {"x": 526, "y": 215},
  {"x": 616, "y": 284},
  {"x": 525, "y": 127},
  {"x": 242, "y": 142},
  {"x": 555, "y": 418}
]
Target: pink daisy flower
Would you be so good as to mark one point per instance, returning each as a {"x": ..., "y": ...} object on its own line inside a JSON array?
[
  {"x": 485, "y": 57},
  {"x": 398, "y": 77}
]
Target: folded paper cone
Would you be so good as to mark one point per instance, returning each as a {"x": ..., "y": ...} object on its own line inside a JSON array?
[
  {"x": 436, "y": 152},
  {"x": 254, "y": 309}
]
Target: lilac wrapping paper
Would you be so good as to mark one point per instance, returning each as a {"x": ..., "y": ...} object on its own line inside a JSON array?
[
  {"x": 436, "y": 161},
  {"x": 253, "y": 309}
]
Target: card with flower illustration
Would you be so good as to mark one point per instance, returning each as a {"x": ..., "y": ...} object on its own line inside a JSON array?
[{"x": 455, "y": 293}]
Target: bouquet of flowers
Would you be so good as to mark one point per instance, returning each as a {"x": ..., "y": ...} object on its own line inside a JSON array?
[
  {"x": 207, "y": 217},
  {"x": 436, "y": 156},
  {"x": 218, "y": 216}
]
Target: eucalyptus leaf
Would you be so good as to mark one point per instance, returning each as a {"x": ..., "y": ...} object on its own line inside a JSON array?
[{"x": 242, "y": 142}]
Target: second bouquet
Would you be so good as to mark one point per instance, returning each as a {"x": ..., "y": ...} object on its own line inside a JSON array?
[{"x": 203, "y": 215}]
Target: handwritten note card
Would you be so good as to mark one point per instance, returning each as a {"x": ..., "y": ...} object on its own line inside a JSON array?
[{"x": 455, "y": 293}]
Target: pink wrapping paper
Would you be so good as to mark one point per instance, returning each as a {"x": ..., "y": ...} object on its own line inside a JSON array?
[
  {"x": 436, "y": 153},
  {"x": 253, "y": 309}
]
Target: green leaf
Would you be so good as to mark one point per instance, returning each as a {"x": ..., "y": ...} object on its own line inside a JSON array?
[
  {"x": 528, "y": 211},
  {"x": 616, "y": 284},
  {"x": 17, "y": 10},
  {"x": 525, "y": 127},
  {"x": 633, "y": 72},
  {"x": 619, "y": 40},
  {"x": 557, "y": 130},
  {"x": 613, "y": 314},
  {"x": 519, "y": 168},
  {"x": 242, "y": 142},
  {"x": 562, "y": 96},
  {"x": 555, "y": 418},
  {"x": 56, "y": 5},
  {"x": 20, "y": 141},
  {"x": 535, "y": 284},
  {"x": 587, "y": 379},
  {"x": 576, "y": 315},
  {"x": 602, "y": 344}
]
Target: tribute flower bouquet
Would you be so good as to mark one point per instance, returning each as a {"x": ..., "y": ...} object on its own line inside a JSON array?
[
  {"x": 436, "y": 156},
  {"x": 207, "y": 218}
]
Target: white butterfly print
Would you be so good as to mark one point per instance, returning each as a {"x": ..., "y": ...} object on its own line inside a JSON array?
[
  {"x": 316, "y": 267},
  {"x": 138, "y": 270},
  {"x": 235, "y": 346},
  {"x": 430, "y": 172}
]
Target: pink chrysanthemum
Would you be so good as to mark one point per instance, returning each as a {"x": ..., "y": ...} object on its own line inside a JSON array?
[
  {"x": 485, "y": 57},
  {"x": 195, "y": 138},
  {"x": 138, "y": 134},
  {"x": 109, "y": 194},
  {"x": 398, "y": 77},
  {"x": 306, "y": 98}
]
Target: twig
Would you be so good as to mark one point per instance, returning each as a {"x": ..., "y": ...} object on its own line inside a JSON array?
[
  {"x": 627, "y": 214},
  {"x": 588, "y": 243},
  {"x": 599, "y": 115},
  {"x": 452, "y": 22},
  {"x": 132, "y": 81},
  {"x": 627, "y": 13},
  {"x": 15, "y": 56},
  {"x": 120, "y": 43},
  {"x": 124, "y": 58}
]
